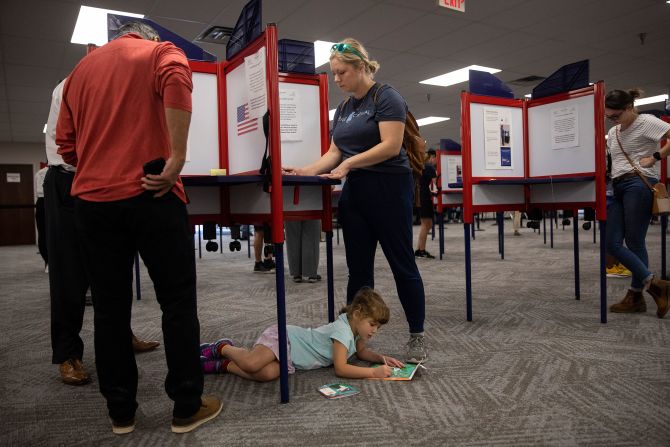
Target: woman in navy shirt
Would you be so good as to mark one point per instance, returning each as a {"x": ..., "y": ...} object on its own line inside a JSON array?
[{"x": 377, "y": 198}]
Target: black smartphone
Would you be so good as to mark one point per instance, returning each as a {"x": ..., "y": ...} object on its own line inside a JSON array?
[{"x": 154, "y": 167}]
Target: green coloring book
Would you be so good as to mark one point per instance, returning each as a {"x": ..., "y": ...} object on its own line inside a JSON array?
[{"x": 405, "y": 373}]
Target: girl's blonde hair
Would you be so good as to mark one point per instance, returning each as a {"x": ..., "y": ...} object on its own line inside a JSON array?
[
  {"x": 350, "y": 57},
  {"x": 369, "y": 303}
]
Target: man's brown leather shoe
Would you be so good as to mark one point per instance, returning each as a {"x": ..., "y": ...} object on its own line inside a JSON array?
[
  {"x": 660, "y": 291},
  {"x": 144, "y": 345},
  {"x": 72, "y": 372},
  {"x": 633, "y": 302}
]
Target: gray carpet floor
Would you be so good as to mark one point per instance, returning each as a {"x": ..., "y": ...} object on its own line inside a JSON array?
[{"x": 535, "y": 367}]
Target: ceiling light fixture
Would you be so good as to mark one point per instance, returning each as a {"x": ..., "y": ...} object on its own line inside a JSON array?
[
  {"x": 431, "y": 120},
  {"x": 91, "y": 26},
  {"x": 650, "y": 100},
  {"x": 457, "y": 76},
  {"x": 45, "y": 129}
]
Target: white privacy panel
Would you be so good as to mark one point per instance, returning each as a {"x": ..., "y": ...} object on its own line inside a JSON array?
[
  {"x": 512, "y": 141},
  {"x": 561, "y": 137},
  {"x": 451, "y": 168},
  {"x": 497, "y": 194},
  {"x": 203, "y": 200},
  {"x": 246, "y": 141},
  {"x": 563, "y": 192},
  {"x": 250, "y": 199},
  {"x": 202, "y": 152},
  {"x": 300, "y": 122}
]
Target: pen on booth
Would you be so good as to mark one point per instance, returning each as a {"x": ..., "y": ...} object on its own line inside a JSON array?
[{"x": 385, "y": 362}]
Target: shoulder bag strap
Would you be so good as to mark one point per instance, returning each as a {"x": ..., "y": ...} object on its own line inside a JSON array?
[{"x": 637, "y": 171}]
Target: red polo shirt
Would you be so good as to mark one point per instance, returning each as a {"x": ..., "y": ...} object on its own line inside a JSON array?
[{"x": 112, "y": 117}]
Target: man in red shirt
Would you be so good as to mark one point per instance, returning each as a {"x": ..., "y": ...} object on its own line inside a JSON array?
[{"x": 125, "y": 104}]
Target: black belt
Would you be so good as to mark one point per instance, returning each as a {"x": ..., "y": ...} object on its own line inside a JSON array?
[
  {"x": 61, "y": 169},
  {"x": 624, "y": 177}
]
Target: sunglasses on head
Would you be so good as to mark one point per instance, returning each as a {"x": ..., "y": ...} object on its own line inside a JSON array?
[{"x": 345, "y": 48}]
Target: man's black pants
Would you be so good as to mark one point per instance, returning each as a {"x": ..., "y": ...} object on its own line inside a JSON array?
[
  {"x": 67, "y": 277},
  {"x": 110, "y": 234}
]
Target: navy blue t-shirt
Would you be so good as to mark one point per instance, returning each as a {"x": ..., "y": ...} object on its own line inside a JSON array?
[{"x": 356, "y": 126}]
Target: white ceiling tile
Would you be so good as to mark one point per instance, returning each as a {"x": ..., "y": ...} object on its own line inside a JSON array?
[
  {"x": 29, "y": 76},
  {"x": 34, "y": 94},
  {"x": 376, "y": 22},
  {"x": 32, "y": 51},
  {"x": 53, "y": 20},
  {"x": 406, "y": 38},
  {"x": 321, "y": 19},
  {"x": 30, "y": 107},
  {"x": 202, "y": 11}
]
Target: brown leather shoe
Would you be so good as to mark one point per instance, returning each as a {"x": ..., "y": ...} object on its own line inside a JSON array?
[
  {"x": 210, "y": 407},
  {"x": 659, "y": 289},
  {"x": 144, "y": 345},
  {"x": 72, "y": 372},
  {"x": 633, "y": 302}
]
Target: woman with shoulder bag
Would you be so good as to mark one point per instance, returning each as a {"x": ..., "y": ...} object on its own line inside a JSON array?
[
  {"x": 633, "y": 142},
  {"x": 377, "y": 198}
]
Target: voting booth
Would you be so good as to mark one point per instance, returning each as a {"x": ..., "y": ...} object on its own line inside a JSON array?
[{"x": 546, "y": 152}]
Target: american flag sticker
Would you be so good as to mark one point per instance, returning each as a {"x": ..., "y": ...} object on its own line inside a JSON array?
[{"x": 244, "y": 123}]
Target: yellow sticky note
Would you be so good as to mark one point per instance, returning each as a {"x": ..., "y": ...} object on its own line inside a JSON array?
[{"x": 217, "y": 172}]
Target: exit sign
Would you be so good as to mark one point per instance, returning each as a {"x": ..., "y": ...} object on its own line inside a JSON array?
[{"x": 458, "y": 5}]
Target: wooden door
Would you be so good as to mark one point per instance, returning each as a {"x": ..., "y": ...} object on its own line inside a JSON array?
[{"x": 17, "y": 205}]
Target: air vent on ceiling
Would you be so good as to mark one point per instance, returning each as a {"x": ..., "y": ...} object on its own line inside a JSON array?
[
  {"x": 215, "y": 34},
  {"x": 528, "y": 80}
]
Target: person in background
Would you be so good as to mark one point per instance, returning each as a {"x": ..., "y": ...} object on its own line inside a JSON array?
[
  {"x": 68, "y": 280},
  {"x": 39, "y": 216},
  {"x": 263, "y": 263},
  {"x": 377, "y": 199},
  {"x": 310, "y": 348},
  {"x": 426, "y": 208},
  {"x": 633, "y": 146},
  {"x": 516, "y": 222},
  {"x": 302, "y": 249},
  {"x": 125, "y": 106}
]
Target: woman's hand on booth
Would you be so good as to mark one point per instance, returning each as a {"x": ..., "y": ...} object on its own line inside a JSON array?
[
  {"x": 290, "y": 170},
  {"x": 339, "y": 172}
]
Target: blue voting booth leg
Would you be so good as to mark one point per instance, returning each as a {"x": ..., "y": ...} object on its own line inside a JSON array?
[
  {"x": 441, "y": 228},
  {"x": 199, "y": 241},
  {"x": 664, "y": 229},
  {"x": 551, "y": 229},
  {"x": 468, "y": 272},
  {"x": 281, "y": 321},
  {"x": 220, "y": 239},
  {"x": 594, "y": 231},
  {"x": 432, "y": 229},
  {"x": 138, "y": 291},
  {"x": 501, "y": 235},
  {"x": 329, "y": 276},
  {"x": 575, "y": 232},
  {"x": 544, "y": 227},
  {"x": 249, "y": 241},
  {"x": 603, "y": 275}
]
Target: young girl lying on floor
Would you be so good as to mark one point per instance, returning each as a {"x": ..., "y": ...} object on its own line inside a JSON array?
[{"x": 332, "y": 344}]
